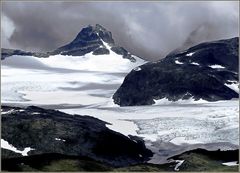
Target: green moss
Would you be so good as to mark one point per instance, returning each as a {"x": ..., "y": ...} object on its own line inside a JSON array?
[
  {"x": 145, "y": 168},
  {"x": 192, "y": 162},
  {"x": 53, "y": 162},
  {"x": 200, "y": 162}
]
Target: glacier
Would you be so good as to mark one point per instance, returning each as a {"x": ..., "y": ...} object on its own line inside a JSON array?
[{"x": 85, "y": 85}]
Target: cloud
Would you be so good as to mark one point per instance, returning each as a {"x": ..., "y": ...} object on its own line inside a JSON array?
[
  {"x": 7, "y": 29},
  {"x": 147, "y": 29}
]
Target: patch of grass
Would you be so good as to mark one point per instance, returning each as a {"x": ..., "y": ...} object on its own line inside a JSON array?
[
  {"x": 59, "y": 163},
  {"x": 146, "y": 168},
  {"x": 53, "y": 163},
  {"x": 74, "y": 165},
  {"x": 200, "y": 162}
]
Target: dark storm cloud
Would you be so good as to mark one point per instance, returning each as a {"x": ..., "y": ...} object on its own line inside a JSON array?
[{"x": 147, "y": 29}]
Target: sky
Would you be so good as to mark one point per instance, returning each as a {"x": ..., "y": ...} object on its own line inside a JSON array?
[{"x": 147, "y": 29}]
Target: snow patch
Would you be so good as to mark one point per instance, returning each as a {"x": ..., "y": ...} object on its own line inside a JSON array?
[
  {"x": 7, "y": 146},
  {"x": 178, "y": 62},
  {"x": 231, "y": 163},
  {"x": 8, "y": 112},
  {"x": 11, "y": 111},
  {"x": 185, "y": 140},
  {"x": 130, "y": 128},
  {"x": 165, "y": 101},
  {"x": 190, "y": 54},
  {"x": 58, "y": 139},
  {"x": 35, "y": 113},
  {"x": 137, "y": 69},
  {"x": 179, "y": 163},
  {"x": 215, "y": 66},
  {"x": 194, "y": 63},
  {"x": 233, "y": 86}
]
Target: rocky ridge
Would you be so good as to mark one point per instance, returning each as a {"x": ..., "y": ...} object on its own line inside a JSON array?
[{"x": 207, "y": 71}]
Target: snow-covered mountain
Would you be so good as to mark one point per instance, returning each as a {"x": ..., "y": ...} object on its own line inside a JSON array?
[
  {"x": 93, "y": 49},
  {"x": 77, "y": 73},
  {"x": 208, "y": 71},
  {"x": 96, "y": 40}
]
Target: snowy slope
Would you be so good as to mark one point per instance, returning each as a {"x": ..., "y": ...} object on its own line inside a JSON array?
[
  {"x": 31, "y": 78},
  {"x": 89, "y": 62}
]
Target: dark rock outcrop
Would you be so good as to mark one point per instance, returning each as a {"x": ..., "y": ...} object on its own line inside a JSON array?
[
  {"x": 50, "y": 131},
  {"x": 224, "y": 156},
  {"x": 184, "y": 75}
]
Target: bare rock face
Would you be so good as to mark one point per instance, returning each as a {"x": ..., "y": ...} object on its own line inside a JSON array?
[{"x": 206, "y": 71}]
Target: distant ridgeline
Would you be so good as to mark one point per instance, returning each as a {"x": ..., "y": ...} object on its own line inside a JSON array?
[{"x": 95, "y": 39}]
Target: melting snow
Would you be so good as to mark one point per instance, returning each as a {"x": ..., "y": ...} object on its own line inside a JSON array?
[
  {"x": 137, "y": 69},
  {"x": 231, "y": 163},
  {"x": 165, "y": 101},
  {"x": 216, "y": 66},
  {"x": 11, "y": 111},
  {"x": 194, "y": 63},
  {"x": 6, "y": 145},
  {"x": 190, "y": 54},
  {"x": 35, "y": 113},
  {"x": 58, "y": 139},
  {"x": 179, "y": 163},
  {"x": 7, "y": 112},
  {"x": 233, "y": 86},
  {"x": 178, "y": 62}
]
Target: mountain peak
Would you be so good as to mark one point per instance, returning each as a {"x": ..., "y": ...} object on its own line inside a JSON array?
[
  {"x": 95, "y": 39},
  {"x": 96, "y": 28},
  {"x": 99, "y": 27},
  {"x": 94, "y": 33}
]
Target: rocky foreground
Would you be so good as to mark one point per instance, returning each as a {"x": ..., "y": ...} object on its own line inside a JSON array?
[
  {"x": 50, "y": 131},
  {"x": 61, "y": 142}
]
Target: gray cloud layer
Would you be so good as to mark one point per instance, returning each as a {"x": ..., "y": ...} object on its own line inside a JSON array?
[{"x": 147, "y": 29}]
